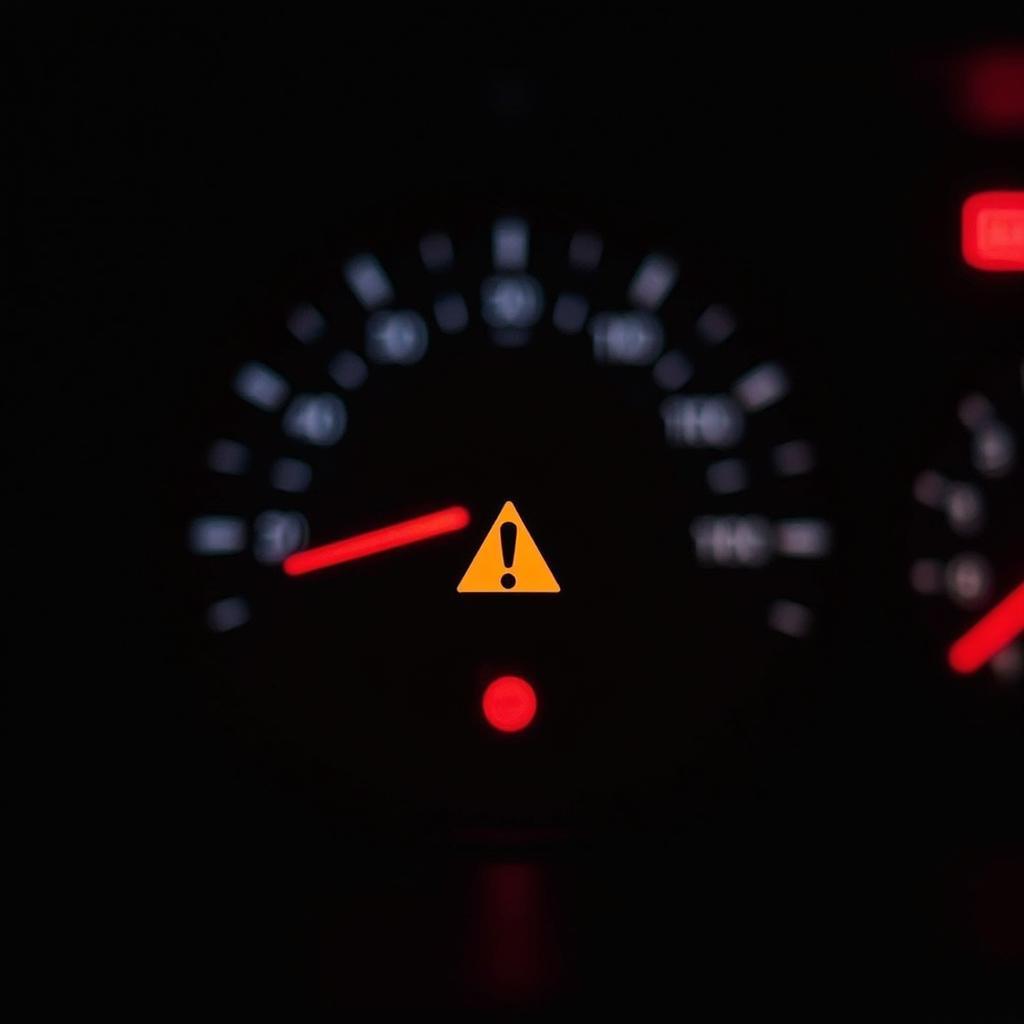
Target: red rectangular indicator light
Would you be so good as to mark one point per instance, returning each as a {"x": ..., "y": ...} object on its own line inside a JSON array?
[{"x": 993, "y": 230}]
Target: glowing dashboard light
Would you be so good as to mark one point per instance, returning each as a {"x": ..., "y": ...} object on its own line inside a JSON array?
[
  {"x": 993, "y": 230},
  {"x": 362, "y": 545},
  {"x": 509, "y": 704}
]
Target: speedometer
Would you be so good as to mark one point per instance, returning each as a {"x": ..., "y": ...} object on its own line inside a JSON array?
[{"x": 505, "y": 516}]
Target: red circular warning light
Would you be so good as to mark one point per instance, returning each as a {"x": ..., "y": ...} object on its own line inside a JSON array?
[{"x": 509, "y": 704}]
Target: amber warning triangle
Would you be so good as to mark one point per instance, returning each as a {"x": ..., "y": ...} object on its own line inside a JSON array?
[{"x": 509, "y": 561}]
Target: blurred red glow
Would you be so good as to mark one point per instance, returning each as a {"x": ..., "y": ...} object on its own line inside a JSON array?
[
  {"x": 990, "y": 91},
  {"x": 514, "y": 947}
]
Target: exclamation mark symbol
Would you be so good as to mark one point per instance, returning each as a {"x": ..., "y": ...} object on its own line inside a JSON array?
[{"x": 508, "y": 552}]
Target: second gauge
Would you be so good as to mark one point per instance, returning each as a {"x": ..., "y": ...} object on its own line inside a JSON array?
[{"x": 969, "y": 564}]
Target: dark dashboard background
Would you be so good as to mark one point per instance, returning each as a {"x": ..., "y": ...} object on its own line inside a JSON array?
[{"x": 171, "y": 173}]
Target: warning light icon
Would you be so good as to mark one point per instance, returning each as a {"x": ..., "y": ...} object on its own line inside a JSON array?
[{"x": 509, "y": 561}]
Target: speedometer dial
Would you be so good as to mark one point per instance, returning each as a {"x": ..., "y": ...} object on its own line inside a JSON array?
[{"x": 603, "y": 434}]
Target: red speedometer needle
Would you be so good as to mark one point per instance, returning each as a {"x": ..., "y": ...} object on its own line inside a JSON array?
[
  {"x": 398, "y": 535},
  {"x": 990, "y": 634}
]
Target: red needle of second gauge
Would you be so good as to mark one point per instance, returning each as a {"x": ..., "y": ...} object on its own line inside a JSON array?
[
  {"x": 397, "y": 535},
  {"x": 990, "y": 634}
]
